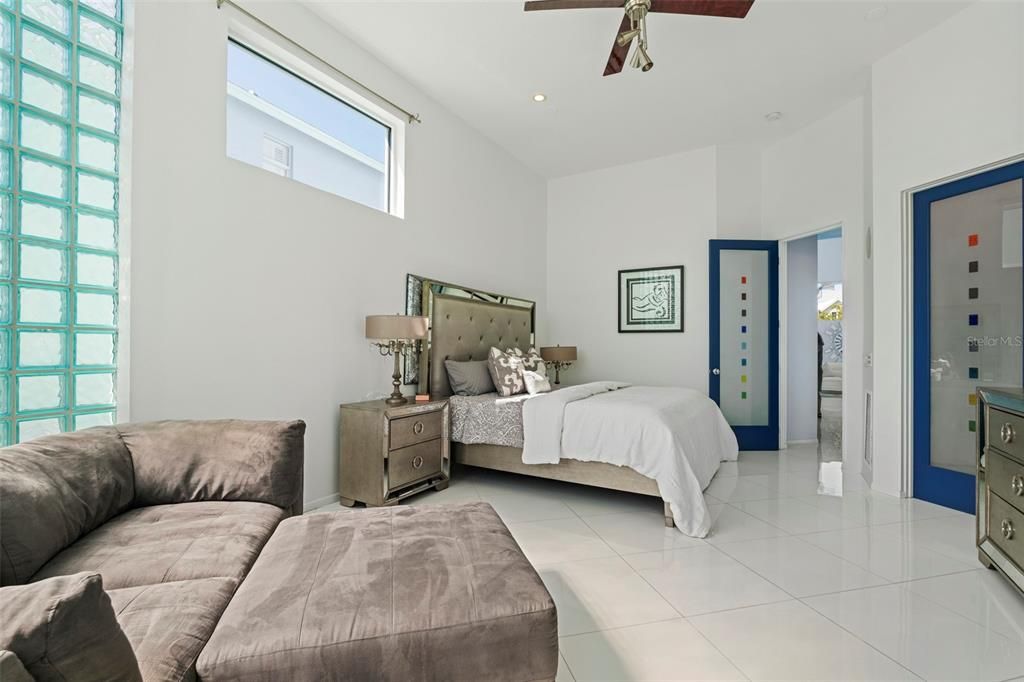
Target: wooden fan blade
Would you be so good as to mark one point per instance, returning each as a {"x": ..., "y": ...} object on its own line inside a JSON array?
[
  {"x": 617, "y": 59},
  {"x": 733, "y": 9},
  {"x": 534, "y": 5}
]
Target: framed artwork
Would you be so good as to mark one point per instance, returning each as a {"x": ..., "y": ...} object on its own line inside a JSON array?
[{"x": 651, "y": 299}]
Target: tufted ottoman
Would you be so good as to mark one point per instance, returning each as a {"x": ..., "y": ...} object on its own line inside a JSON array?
[{"x": 398, "y": 593}]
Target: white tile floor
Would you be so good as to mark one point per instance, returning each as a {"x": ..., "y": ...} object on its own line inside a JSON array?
[{"x": 792, "y": 584}]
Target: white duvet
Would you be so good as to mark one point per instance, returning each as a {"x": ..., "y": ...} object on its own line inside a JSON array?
[{"x": 677, "y": 436}]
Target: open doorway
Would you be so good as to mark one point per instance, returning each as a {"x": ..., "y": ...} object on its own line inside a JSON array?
[{"x": 814, "y": 343}]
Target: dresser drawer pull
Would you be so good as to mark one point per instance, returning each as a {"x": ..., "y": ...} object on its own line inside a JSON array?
[
  {"x": 417, "y": 428},
  {"x": 1007, "y": 433},
  {"x": 1008, "y": 529},
  {"x": 1017, "y": 484},
  {"x": 417, "y": 462}
]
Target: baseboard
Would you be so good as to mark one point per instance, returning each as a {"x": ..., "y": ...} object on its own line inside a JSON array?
[
  {"x": 321, "y": 502},
  {"x": 803, "y": 442}
]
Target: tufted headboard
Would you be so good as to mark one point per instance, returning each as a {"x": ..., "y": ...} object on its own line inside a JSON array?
[{"x": 466, "y": 329}]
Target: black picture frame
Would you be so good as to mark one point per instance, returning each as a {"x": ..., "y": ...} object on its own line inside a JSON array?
[{"x": 667, "y": 303}]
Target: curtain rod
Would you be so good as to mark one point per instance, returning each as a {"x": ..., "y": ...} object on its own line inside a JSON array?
[{"x": 413, "y": 118}]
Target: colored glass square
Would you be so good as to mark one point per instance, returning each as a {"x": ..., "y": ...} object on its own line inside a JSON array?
[
  {"x": 743, "y": 329},
  {"x": 972, "y": 266},
  {"x": 743, "y": 395},
  {"x": 743, "y": 345},
  {"x": 743, "y": 312},
  {"x": 743, "y": 362},
  {"x": 972, "y": 240},
  {"x": 972, "y": 372},
  {"x": 743, "y": 378},
  {"x": 972, "y": 319},
  {"x": 972, "y": 346},
  {"x": 972, "y": 399},
  {"x": 743, "y": 296},
  {"x": 743, "y": 280},
  {"x": 972, "y": 426},
  {"x": 972, "y": 293}
]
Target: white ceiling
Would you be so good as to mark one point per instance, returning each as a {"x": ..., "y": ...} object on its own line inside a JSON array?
[{"x": 713, "y": 82}]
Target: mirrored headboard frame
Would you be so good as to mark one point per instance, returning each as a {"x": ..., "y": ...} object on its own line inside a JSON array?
[{"x": 419, "y": 300}]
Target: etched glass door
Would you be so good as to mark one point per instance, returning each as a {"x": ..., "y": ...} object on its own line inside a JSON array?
[
  {"x": 968, "y": 321},
  {"x": 744, "y": 339}
]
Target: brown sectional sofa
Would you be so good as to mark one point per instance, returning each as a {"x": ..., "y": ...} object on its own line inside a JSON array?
[
  {"x": 163, "y": 552},
  {"x": 172, "y": 515}
]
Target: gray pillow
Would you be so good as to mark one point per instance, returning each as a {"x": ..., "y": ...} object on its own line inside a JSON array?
[
  {"x": 469, "y": 378},
  {"x": 65, "y": 628}
]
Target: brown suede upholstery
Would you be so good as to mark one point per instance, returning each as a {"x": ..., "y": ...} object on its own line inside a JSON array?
[
  {"x": 171, "y": 542},
  {"x": 12, "y": 669},
  {"x": 64, "y": 629},
  {"x": 170, "y": 514},
  {"x": 54, "y": 490},
  {"x": 168, "y": 624},
  {"x": 410, "y": 593},
  {"x": 230, "y": 459}
]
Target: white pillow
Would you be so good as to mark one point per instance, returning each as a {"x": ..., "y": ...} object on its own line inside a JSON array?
[{"x": 536, "y": 382}]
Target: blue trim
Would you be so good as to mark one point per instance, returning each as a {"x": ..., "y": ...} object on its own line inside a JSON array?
[
  {"x": 834, "y": 233},
  {"x": 942, "y": 486},
  {"x": 749, "y": 437}
]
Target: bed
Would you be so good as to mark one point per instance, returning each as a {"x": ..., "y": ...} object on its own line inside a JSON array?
[{"x": 466, "y": 329}]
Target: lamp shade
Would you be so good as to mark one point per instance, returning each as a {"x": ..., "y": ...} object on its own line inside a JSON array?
[
  {"x": 396, "y": 327},
  {"x": 558, "y": 353}
]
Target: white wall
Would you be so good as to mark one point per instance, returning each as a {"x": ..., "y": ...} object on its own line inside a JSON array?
[
  {"x": 249, "y": 290},
  {"x": 802, "y": 339},
  {"x": 738, "y": 188},
  {"x": 812, "y": 180},
  {"x": 652, "y": 213},
  {"x": 949, "y": 101},
  {"x": 830, "y": 259}
]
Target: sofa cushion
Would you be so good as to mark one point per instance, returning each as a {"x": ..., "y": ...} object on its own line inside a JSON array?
[
  {"x": 229, "y": 459},
  {"x": 54, "y": 490},
  {"x": 410, "y": 593},
  {"x": 168, "y": 624},
  {"x": 171, "y": 542},
  {"x": 65, "y": 629}
]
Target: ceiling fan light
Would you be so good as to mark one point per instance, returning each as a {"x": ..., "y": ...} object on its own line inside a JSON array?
[
  {"x": 626, "y": 37},
  {"x": 641, "y": 60}
]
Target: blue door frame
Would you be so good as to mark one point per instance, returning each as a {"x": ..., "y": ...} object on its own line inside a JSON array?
[
  {"x": 749, "y": 437},
  {"x": 946, "y": 487}
]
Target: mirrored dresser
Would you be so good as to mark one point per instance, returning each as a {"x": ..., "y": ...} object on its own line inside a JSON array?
[{"x": 1001, "y": 481}]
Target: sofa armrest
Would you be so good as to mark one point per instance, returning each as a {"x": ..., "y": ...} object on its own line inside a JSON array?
[{"x": 199, "y": 461}]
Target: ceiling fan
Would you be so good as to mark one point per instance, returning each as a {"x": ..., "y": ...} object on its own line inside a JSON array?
[{"x": 634, "y": 23}]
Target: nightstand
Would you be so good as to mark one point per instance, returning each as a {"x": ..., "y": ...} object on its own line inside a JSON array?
[{"x": 389, "y": 453}]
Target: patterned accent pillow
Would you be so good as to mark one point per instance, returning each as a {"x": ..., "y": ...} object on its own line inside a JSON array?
[
  {"x": 531, "y": 360},
  {"x": 506, "y": 372}
]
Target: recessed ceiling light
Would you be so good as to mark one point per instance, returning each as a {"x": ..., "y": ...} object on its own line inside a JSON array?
[
  {"x": 539, "y": 97},
  {"x": 773, "y": 116},
  {"x": 876, "y": 13}
]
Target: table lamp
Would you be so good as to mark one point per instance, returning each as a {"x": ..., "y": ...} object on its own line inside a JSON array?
[
  {"x": 393, "y": 335},
  {"x": 561, "y": 357}
]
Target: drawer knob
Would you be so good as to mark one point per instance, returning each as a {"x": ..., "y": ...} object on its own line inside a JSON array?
[
  {"x": 417, "y": 428},
  {"x": 1017, "y": 484},
  {"x": 1007, "y": 528},
  {"x": 1007, "y": 433},
  {"x": 417, "y": 462}
]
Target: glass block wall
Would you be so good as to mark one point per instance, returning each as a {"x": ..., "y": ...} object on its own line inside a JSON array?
[{"x": 60, "y": 85}]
